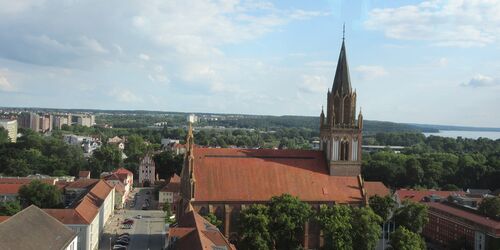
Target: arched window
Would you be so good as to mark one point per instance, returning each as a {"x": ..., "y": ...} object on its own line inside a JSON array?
[{"x": 344, "y": 150}]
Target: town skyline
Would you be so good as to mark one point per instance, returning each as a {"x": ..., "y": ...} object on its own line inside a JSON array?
[{"x": 257, "y": 58}]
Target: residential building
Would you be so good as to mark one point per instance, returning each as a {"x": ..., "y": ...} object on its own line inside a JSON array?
[
  {"x": 89, "y": 213},
  {"x": 223, "y": 181},
  {"x": 119, "y": 142},
  {"x": 29, "y": 120},
  {"x": 60, "y": 120},
  {"x": 423, "y": 195},
  {"x": 9, "y": 186},
  {"x": 453, "y": 224},
  {"x": 147, "y": 174},
  {"x": 84, "y": 174},
  {"x": 11, "y": 127},
  {"x": 170, "y": 193},
  {"x": 46, "y": 121},
  {"x": 122, "y": 179},
  {"x": 32, "y": 228},
  {"x": 84, "y": 120},
  {"x": 195, "y": 233}
]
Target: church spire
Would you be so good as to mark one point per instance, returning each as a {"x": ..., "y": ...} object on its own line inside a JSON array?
[{"x": 342, "y": 80}]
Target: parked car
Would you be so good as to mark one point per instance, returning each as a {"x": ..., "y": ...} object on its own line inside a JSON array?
[
  {"x": 148, "y": 192},
  {"x": 127, "y": 226},
  {"x": 138, "y": 216},
  {"x": 122, "y": 242},
  {"x": 123, "y": 239},
  {"x": 119, "y": 247},
  {"x": 128, "y": 221},
  {"x": 124, "y": 234}
]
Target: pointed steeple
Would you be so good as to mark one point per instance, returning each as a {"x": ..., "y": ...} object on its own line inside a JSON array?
[{"x": 342, "y": 80}]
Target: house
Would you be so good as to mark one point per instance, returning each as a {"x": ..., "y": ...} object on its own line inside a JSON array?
[
  {"x": 422, "y": 195},
  {"x": 9, "y": 186},
  {"x": 32, "y": 228},
  {"x": 84, "y": 174},
  {"x": 89, "y": 213},
  {"x": 195, "y": 233},
  {"x": 117, "y": 141},
  {"x": 170, "y": 193}
]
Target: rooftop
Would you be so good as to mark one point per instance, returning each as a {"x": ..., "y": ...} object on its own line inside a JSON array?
[
  {"x": 32, "y": 228},
  {"x": 419, "y": 195},
  {"x": 376, "y": 188},
  {"x": 224, "y": 174}
]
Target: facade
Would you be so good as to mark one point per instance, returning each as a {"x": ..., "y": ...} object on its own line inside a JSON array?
[
  {"x": 340, "y": 132},
  {"x": 33, "y": 228},
  {"x": 147, "y": 174},
  {"x": 85, "y": 120},
  {"x": 45, "y": 123},
  {"x": 170, "y": 193},
  {"x": 11, "y": 127},
  {"x": 29, "y": 120},
  {"x": 61, "y": 120}
]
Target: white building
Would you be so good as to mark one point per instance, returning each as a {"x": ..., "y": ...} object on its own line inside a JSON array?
[
  {"x": 11, "y": 127},
  {"x": 170, "y": 193},
  {"x": 147, "y": 174},
  {"x": 89, "y": 215}
]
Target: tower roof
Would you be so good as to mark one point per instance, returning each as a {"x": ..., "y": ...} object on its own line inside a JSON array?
[{"x": 342, "y": 80}]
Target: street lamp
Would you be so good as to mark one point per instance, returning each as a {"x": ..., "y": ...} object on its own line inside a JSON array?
[{"x": 110, "y": 242}]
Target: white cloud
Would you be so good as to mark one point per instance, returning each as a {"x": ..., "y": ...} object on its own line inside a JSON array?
[
  {"x": 313, "y": 84},
  {"x": 125, "y": 95},
  {"x": 482, "y": 81},
  {"x": 441, "y": 23},
  {"x": 13, "y": 7},
  {"x": 92, "y": 44},
  {"x": 442, "y": 62},
  {"x": 5, "y": 85},
  {"x": 370, "y": 72},
  {"x": 144, "y": 57}
]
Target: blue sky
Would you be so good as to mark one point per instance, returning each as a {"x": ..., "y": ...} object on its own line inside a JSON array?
[{"x": 430, "y": 61}]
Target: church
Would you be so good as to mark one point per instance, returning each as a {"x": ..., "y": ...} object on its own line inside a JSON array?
[{"x": 223, "y": 181}]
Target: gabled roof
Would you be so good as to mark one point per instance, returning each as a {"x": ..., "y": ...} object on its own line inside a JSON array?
[
  {"x": 86, "y": 208},
  {"x": 342, "y": 80},
  {"x": 419, "y": 195},
  {"x": 223, "y": 174},
  {"x": 195, "y": 233},
  {"x": 175, "y": 179},
  {"x": 82, "y": 184},
  {"x": 174, "y": 187},
  {"x": 123, "y": 171},
  {"x": 376, "y": 188},
  {"x": 10, "y": 189},
  {"x": 112, "y": 177},
  {"x": 33, "y": 228}
]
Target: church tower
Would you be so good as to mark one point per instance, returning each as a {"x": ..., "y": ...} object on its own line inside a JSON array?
[{"x": 340, "y": 132}]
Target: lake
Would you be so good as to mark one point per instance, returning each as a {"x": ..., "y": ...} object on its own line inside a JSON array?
[{"x": 466, "y": 134}]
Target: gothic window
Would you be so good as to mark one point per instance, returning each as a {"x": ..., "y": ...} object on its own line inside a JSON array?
[
  {"x": 337, "y": 109},
  {"x": 344, "y": 150},
  {"x": 347, "y": 110}
]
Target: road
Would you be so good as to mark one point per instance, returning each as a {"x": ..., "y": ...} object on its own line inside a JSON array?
[{"x": 146, "y": 233}]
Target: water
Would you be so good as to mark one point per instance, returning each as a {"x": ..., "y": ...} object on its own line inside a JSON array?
[{"x": 466, "y": 134}]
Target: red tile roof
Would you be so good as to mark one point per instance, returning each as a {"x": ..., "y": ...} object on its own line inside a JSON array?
[
  {"x": 419, "y": 195},
  {"x": 25, "y": 180},
  {"x": 123, "y": 171},
  {"x": 3, "y": 218},
  {"x": 112, "y": 177},
  {"x": 175, "y": 179},
  {"x": 376, "y": 188},
  {"x": 195, "y": 233},
  {"x": 10, "y": 189},
  {"x": 258, "y": 174},
  {"x": 484, "y": 221},
  {"x": 82, "y": 183},
  {"x": 85, "y": 209}
]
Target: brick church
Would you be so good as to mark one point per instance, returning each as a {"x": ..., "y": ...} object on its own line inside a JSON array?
[{"x": 223, "y": 181}]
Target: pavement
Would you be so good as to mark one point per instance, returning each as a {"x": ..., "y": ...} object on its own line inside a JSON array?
[{"x": 146, "y": 233}]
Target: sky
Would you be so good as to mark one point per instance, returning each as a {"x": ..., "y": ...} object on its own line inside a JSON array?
[{"x": 431, "y": 61}]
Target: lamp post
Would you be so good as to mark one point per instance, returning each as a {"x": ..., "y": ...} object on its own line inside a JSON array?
[{"x": 110, "y": 242}]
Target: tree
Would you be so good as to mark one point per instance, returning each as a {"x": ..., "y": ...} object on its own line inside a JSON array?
[
  {"x": 412, "y": 216},
  {"x": 40, "y": 194},
  {"x": 210, "y": 217},
  {"x": 9, "y": 208},
  {"x": 105, "y": 159},
  {"x": 288, "y": 215},
  {"x": 254, "y": 228},
  {"x": 4, "y": 136},
  {"x": 382, "y": 206},
  {"x": 366, "y": 228},
  {"x": 168, "y": 164},
  {"x": 336, "y": 223},
  {"x": 168, "y": 213},
  {"x": 490, "y": 207},
  {"x": 404, "y": 239},
  {"x": 135, "y": 148}
]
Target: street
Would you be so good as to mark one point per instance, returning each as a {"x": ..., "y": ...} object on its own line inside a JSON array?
[{"x": 145, "y": 233}]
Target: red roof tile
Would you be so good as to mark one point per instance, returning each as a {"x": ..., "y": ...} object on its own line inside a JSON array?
[
  {"x": 419, "y": 195},
  {"x": 258, "y": 174},
  {"x": 66, "y": 216},
  {"x": 376, "y": 188},
  {"x": 172, "y": 187},
  {"x": 195, "y": 233},
  {"x": 123, "y": 171},
  {"x": 10, "y": 188},
  {"x": 3, "y": 218},
  {"x": 82, "y": 183},
  {"x": 175, "y": 179},
  {"x": 25, "y": 180}
]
